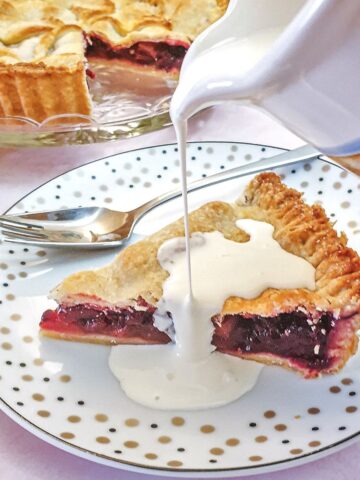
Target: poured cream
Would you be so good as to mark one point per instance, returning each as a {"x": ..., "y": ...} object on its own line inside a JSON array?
[{"x": 189, "y": 374}]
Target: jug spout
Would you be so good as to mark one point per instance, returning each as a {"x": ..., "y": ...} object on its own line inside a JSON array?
[
  {"x": 217, "y": 66},
  {"x": 296, "y": 60},
  {"x": 185, "y": 103}
]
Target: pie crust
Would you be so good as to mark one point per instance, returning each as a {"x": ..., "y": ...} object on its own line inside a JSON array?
[
  {"x": 133, "y": 283},
  {"x": 44, "y": 46}
]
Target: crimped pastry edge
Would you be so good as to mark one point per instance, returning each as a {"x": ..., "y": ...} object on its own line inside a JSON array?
[{"x": 95, "y": 339}]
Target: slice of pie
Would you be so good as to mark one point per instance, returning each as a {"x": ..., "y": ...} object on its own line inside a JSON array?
[
  {"x": 45, "y": 44},
  {"x": 311, "y": 332}
]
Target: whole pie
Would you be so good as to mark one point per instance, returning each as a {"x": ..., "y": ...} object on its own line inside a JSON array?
[
  {"x": 312, "y": 332},
  {"x": 45, "y": 44}
]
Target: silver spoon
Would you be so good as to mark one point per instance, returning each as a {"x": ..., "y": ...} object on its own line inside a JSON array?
[{"x": 99, "y": 227}]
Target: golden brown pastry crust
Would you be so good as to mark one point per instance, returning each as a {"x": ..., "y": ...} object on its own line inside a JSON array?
[
  {"x": 40, "y": 91},
  {"x": 42, "y": 45},
  {"x": 136, "y": 271},
  {"x": 125, "y": 22},
  {"x": 42, "y": 63},
  {"x": 307, "y": 232},
  {"x": 300, "y": 229},
  {"x": 97, "y": 339}
]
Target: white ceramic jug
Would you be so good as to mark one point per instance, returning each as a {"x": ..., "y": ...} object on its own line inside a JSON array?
[{"x": 308, "y": 76}]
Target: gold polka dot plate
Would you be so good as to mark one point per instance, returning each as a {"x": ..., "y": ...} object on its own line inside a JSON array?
[{"x": 65, "y": 393}]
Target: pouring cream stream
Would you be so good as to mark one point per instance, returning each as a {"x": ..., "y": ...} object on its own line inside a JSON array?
[{"x": 188, "y": 374}]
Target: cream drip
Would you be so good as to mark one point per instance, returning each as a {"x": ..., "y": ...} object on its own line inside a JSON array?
[{"x": 189, "y": 374}]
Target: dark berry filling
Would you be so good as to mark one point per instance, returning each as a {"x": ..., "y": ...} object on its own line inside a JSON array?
[
  {"x": 87, "y": 319},
  {"x": 166, "y": 56},
  {"x": 296, "y": 336}
]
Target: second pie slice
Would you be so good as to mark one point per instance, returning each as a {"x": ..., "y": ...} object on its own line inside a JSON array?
[{"x": 312, "y": 332}]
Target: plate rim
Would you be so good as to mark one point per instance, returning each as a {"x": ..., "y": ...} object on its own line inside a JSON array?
[
  {"x": 148, "y": 469},
  {"x": 160, "y": 145}
]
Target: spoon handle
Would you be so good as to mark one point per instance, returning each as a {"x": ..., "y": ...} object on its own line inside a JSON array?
[{"x": 286, "y": 158}]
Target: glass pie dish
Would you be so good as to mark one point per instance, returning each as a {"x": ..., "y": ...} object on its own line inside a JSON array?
[{"x": 126, "y": 103}]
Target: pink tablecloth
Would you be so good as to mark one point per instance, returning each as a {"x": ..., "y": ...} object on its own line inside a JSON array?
[{"x": 24, "y": 457}]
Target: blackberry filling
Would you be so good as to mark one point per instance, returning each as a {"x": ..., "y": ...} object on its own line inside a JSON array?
[
  {"x": 161, "y": 55},
  {"x": 87, "y": 319},
  {"x": 296, "y": 336}
]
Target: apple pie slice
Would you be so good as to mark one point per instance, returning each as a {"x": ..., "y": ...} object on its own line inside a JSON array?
[{"x": 312, "y": 332}]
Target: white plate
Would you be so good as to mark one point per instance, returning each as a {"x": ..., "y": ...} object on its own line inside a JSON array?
[{"x": 64, "y": 392}]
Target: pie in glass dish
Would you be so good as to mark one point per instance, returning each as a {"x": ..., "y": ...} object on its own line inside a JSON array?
[
  {"x": 311, "y": 332},
  {"x": 45, "y": 46}
]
